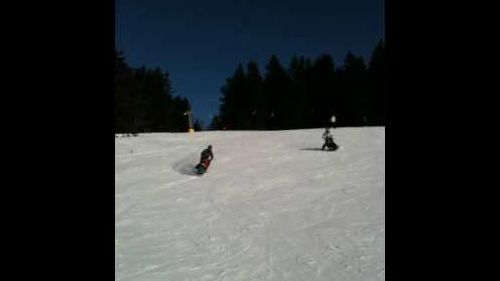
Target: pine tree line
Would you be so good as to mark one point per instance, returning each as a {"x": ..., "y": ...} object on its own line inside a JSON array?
[
  {"x": 144, "y": 101},
  {"x": 305, "y": 95}
]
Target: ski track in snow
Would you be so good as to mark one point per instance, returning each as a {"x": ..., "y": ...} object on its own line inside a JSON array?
[{"x": 269, "y": 207}]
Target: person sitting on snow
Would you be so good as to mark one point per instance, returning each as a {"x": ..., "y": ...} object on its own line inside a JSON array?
[{"x": 327, "y": 136}]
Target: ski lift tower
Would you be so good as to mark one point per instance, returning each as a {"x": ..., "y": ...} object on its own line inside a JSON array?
[
  {"x": 190, "y": 121},
  {"x": 332, "y": 121}
]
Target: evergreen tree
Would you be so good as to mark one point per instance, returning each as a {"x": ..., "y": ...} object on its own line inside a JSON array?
[
  {"x": 277, "y": 88},
  {"x": 256, "y": 101},
  {"x": 231, "y": 100},
  {"x": 376, "y": 76}
]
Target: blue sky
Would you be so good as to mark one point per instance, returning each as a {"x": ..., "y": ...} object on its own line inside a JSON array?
[{"x": 200, "y": 43}]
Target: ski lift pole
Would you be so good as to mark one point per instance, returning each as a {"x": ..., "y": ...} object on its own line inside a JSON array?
[{"x": 190, "y": 121}]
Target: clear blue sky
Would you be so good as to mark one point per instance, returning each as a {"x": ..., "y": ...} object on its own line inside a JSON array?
[{"x": 201, "y": 42}]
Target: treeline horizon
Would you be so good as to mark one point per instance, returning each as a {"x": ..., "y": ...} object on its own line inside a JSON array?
[{"x": 304, "y": 95}]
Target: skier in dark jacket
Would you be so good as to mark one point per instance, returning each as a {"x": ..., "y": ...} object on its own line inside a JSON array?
[
  {"x": 206, "y": 156},
  {"x": 207, "y": 153}
]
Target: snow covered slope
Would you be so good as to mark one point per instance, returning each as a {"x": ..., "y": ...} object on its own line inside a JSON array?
[{"x": 272, "y": 206}]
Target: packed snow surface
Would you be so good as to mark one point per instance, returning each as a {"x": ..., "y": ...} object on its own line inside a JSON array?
[{"x": 272, "y": 206}]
